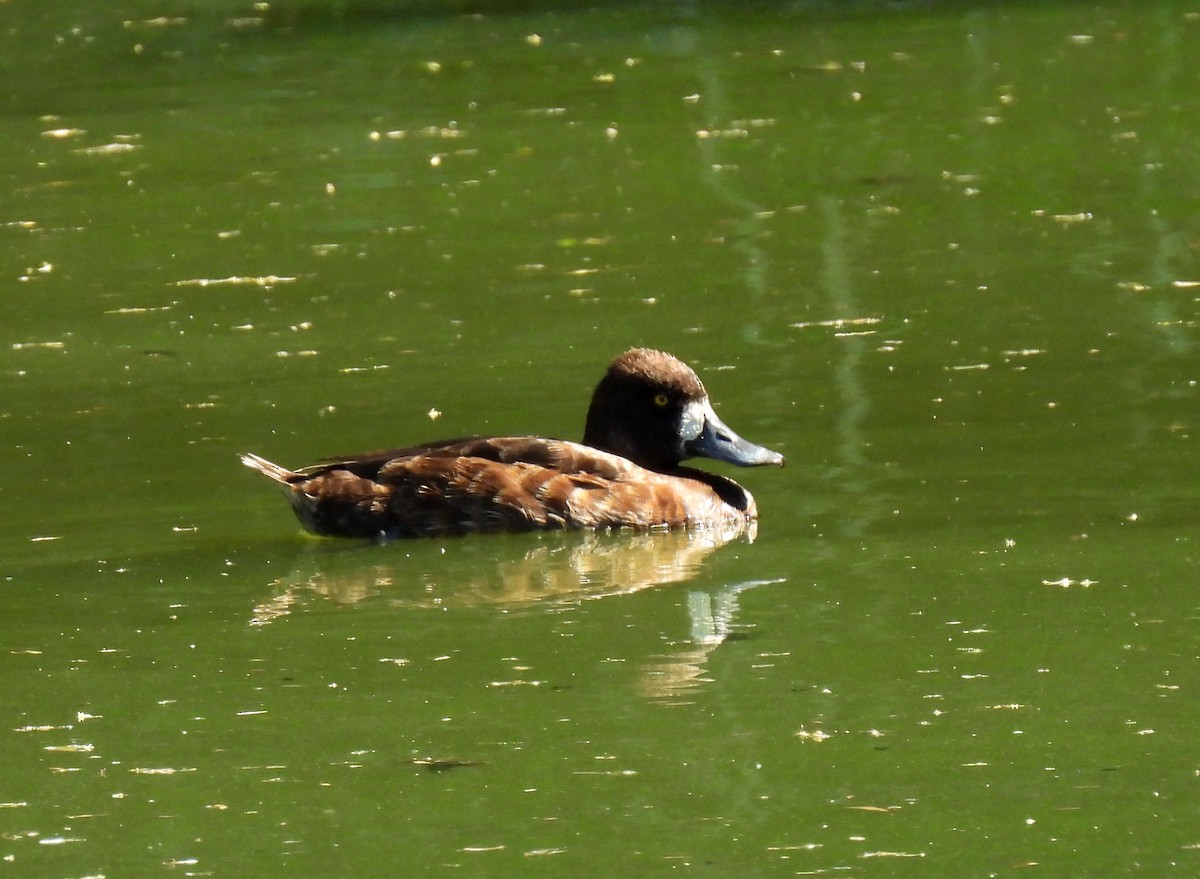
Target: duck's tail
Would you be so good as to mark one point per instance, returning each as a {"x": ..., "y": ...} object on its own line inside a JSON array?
[{"x": 280, "y": 474}]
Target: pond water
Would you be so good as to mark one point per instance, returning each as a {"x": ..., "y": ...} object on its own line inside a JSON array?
[{"x": 944, "y": 256}]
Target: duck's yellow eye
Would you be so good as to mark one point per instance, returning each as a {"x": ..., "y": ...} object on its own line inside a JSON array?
[{"x": 660, "y": 400}]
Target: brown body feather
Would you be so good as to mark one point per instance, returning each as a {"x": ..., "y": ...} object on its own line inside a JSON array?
[
  {"x": 502, "y": 484},
  {"x": 648, "y": 413}
]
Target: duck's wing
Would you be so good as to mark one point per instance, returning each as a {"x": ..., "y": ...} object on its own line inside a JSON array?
[
  {"x": 368, "y": 464},
  {"x": 561, "y": 455}
]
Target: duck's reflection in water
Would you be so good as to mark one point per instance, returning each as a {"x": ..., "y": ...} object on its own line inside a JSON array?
[
  {"x": 557, "y": 571},
  {"x": 560, "y": 567}
]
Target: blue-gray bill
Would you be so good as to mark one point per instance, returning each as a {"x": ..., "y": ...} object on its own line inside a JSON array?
[{"x": 716, "y": 440}]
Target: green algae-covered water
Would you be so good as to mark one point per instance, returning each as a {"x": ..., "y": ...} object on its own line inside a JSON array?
[{"x": 944, "y": 256}]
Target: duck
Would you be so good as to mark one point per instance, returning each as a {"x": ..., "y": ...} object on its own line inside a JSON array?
[{"x": 648, "y": 414}]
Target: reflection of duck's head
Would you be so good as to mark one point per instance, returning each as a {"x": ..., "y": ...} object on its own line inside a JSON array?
[
  {"x": 652, "y": 409},
  {"x": 648, "y": 413}
]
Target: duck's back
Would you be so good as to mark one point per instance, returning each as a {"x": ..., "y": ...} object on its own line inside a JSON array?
[{"x": 506, "y": 484}]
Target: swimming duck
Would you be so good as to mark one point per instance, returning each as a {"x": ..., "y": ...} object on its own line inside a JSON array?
[{"x": 648, "y": 413}]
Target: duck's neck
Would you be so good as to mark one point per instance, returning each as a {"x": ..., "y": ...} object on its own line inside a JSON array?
[
  {"x": 606, "y": 434},
  {"x": 599, "y": 431},
  {"x": 728, "y": 490}
]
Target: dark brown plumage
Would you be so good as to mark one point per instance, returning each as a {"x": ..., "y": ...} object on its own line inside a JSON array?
[{"x": 648, "y": 413}]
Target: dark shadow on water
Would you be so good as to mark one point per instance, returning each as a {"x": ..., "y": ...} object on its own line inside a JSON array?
[
  {"x": 310, "y": 13},
  {"x": 317, "y": 13}
]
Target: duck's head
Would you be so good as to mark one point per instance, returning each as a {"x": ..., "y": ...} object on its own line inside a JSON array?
[{"x": 651, "y": 408}]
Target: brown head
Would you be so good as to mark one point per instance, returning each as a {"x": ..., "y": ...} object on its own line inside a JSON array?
[{"x": 651, "y": 408}]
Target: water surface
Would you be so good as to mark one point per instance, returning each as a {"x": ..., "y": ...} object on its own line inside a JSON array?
[{"x": 943, "y": 256}]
